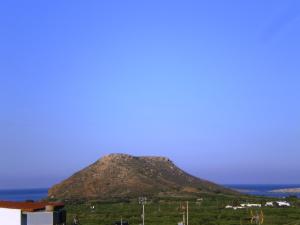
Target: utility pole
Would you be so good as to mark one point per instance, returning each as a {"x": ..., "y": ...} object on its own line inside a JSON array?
[
  {"x": 143, "y": 201},
  {"x": 143, "y": 214},
  {"x": 187, "y": 213}
]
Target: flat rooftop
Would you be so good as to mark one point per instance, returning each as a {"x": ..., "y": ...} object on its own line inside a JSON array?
[{"x": 29, "y": 206}]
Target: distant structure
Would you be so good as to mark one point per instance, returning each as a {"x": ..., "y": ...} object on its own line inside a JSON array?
[
  {"x": 269, "y": 204},
  {"x": 32, "y": 213},
  {"x": 283, "y": 204},
  {"x": 243, "y": 206},
  {"x": 249, "y": 205}
]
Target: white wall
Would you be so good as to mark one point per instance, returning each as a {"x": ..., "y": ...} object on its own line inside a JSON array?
[{"x": 10, "y": 216}]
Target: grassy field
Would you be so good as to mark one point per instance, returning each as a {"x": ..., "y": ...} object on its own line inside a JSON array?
[{"x": 210, "y": 211}]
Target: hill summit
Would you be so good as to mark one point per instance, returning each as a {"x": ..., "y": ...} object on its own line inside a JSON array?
[{"x": 126, "y": 176}]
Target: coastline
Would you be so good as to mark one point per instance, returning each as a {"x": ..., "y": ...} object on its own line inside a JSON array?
[{"x": 286, "y": 190}]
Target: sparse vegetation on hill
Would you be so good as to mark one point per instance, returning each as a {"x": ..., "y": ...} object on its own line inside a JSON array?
[{"x": 121, "y": 176}]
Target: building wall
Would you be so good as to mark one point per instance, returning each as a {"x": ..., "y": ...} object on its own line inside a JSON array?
[
  {"x": 40, "y": 218},
  {"x": 10, "y": 216},
  {"x": 24, "y": 219}
]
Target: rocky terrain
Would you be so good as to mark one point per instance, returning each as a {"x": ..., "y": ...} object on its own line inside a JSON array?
[{"x": 126, "y": 176}]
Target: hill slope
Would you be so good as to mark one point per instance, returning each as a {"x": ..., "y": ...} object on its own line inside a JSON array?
[{"x": 126, "y": 176}]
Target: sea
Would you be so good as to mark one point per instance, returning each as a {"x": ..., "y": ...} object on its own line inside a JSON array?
[
  {"x": 264, "y": 189},
  {"x": 23, "y": 194},
  {"x": 252, "y": 189}
]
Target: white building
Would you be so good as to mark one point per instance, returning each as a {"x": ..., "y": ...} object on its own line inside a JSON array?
[
  {"x": 283, "y": 204},
  {"x": 32, "y": 213},
  {"x": 269, "y": 204},
  {"x": 249, "y": 205},
  {"x": 238, "y": 207}
]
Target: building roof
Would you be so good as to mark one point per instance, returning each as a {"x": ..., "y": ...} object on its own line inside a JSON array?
[{"x": 29, "y": 206}]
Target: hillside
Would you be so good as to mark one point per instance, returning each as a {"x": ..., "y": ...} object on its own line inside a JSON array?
[{"x": 126, "y": 176}]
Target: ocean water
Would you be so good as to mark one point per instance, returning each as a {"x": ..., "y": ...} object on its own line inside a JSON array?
[
  {"x": 264, "y": 189},
  {"x": 23, "y": 194},
  {"x": 253, "y": 189}
]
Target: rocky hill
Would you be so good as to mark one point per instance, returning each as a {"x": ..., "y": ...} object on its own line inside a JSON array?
[{"x": 126, "y": 176}]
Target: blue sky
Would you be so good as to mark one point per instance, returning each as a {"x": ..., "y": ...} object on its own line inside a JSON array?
[{"x": 214, "y": 85}]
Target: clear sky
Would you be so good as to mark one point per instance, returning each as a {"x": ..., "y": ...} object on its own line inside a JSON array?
[{"x": 213, "y": 85}]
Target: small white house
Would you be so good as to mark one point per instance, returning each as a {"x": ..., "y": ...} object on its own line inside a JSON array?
[
  {"x": 238, "y": 207},
  {"x": 234, "y": 207},
  {"x": 283, "y": 204},
  {"x": 249, "y": 205},
  {"x": 269, "y": 204},
  {"x": 32, "y": 213},
  {"x": 243, "y": 206}
]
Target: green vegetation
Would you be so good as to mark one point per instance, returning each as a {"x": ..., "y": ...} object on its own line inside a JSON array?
[{"x": 210, "y": 211}]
